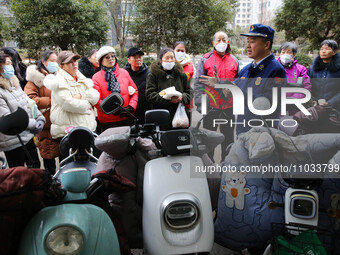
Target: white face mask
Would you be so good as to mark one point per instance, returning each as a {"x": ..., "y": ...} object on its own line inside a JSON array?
[
  {"x": 221, "y": 47},
  {"x": 286, "y": 59},
  {"x": 180, "y": 56},
  {"x": 168, "y": 65}
]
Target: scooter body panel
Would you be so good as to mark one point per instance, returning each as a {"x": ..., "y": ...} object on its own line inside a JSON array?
[
  {"x": 171, "y": 180},
  {"x": 99, "y": 234}
]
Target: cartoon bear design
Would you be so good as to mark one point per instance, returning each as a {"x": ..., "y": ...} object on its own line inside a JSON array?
[{"x": 234, "y": 189}]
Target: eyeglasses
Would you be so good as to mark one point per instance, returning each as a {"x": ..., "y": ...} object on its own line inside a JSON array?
[{"x": 110, "y": 56}]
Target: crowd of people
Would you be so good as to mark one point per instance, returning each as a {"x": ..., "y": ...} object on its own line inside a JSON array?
[{"x": 63, "y": 90}]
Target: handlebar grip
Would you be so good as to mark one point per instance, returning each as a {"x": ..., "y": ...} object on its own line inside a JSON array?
[{"x": 4, "y": 162}]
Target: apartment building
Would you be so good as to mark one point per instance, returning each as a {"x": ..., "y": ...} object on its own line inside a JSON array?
[{"x": 254, "y": 11}]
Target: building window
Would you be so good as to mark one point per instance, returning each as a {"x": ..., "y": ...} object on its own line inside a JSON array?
[
  {"x": 238, "y": 15},
  {"x": 243, "y": 15},
  {"x": 248, "y": 5},
  {"x": 243, "y": 10},
  {"x": 244, "y": 4},
  {"x": 248, "y": 16},
  {"x": 238, "y": 21},
  {"x": 238, "y": 10}
]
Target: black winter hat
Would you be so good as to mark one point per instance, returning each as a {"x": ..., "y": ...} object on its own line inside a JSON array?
[{"x": 134, "y": 51}]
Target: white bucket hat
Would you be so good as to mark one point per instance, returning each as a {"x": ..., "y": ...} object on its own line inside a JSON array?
[{"x": 103, "y": 51}]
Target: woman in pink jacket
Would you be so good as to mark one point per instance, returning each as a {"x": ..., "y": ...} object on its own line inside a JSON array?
[
  {"x": 294, "y": 70},
  {"x": 111, "y": 79}
]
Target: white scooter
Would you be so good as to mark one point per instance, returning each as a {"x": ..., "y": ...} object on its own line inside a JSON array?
[{"x": 177, "y": 213}]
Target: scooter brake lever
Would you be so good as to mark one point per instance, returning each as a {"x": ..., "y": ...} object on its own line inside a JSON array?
[{"x": 94, "y": 186}]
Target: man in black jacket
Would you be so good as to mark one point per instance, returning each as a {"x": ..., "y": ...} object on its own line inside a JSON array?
[{"x": 138, "y": 72}]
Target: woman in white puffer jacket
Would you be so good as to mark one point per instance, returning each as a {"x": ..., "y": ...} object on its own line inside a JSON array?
[{"x": 72, "y": 96}]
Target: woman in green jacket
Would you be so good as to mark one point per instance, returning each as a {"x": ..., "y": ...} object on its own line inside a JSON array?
[{"x": 165, "y": 73}]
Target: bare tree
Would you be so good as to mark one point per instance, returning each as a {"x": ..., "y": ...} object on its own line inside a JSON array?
[{"x": 121, "y": 12}]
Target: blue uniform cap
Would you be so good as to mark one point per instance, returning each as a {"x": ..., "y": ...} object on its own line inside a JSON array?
[{"x": 260, "y": 30}]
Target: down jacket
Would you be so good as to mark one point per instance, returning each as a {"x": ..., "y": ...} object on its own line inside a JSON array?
[
  {"x": 129, "y": 161},
  {"x": 188, "y": 67},
  {"x": 158, "y": 79},
  {"x": 139, "y": 78},
  {"x": 12, "y": 97},
  {"x": 86, "y": 68},
  {"x": 257, "y": 168},
  {"x": 293, "y": 72},
  {"x": 125, "y": 82},
  {"x": 35, "y": 89},
  {"x": 68, "y": 111},
  {"x": 325, "y": 80},
  {"x": 227, "y": 69}
]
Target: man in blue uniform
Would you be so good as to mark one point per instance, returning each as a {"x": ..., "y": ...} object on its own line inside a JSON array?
[{"x": 262, "y": 75}]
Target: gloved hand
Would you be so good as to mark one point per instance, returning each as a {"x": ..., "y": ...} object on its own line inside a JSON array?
[
  {"x": 38, "y": 127},
  {"x": 124, "y": 114}
]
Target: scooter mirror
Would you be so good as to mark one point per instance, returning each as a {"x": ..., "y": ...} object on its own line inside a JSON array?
[
  {"x": 159, "y": 117},
  {"x": 112, "y": 103},
  {"x": 14, "y": 123}
]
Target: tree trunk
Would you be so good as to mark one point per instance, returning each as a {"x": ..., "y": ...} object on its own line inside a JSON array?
[{"x": 122, "y": 46}]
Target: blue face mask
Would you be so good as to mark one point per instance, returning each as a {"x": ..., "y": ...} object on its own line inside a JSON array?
[
  {"x": 8, "y": 72},
  {"x": 52, "y": 67}
]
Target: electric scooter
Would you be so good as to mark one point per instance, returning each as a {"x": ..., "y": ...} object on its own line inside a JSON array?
[
  {"x": 301, "y": 204},
  {"x": 74, "y": 226},
  {"x": 177, "y": 212}
]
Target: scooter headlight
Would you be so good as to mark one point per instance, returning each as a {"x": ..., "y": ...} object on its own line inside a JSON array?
[
  {"x": 181, "y": 214},
  {"x": 64, "y": 241}
]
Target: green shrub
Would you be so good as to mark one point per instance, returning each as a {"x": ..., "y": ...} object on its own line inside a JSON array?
[
  {"x": 234, "y": 50},
  {"x": 118, "y": 53},
  {"x": 303, "y": 59},
  {"x": 122, "y": 62},
  {"x": 276, "y": 48},
  {"x": 148, "y": 60},
  {"x": 239, "y": 51}
]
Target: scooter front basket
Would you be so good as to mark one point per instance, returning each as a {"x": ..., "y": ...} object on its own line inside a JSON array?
[{"x": 310, "y": 240}]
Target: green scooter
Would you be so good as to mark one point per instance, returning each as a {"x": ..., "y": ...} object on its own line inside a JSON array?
[{"x": 73, "y": 227}]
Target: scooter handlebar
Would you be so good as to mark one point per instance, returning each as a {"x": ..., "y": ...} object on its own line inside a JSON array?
[{"x": 4, "y": 162}]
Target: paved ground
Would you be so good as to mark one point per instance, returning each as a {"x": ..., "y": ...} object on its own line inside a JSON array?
[{"x": 216, "y": 250}]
